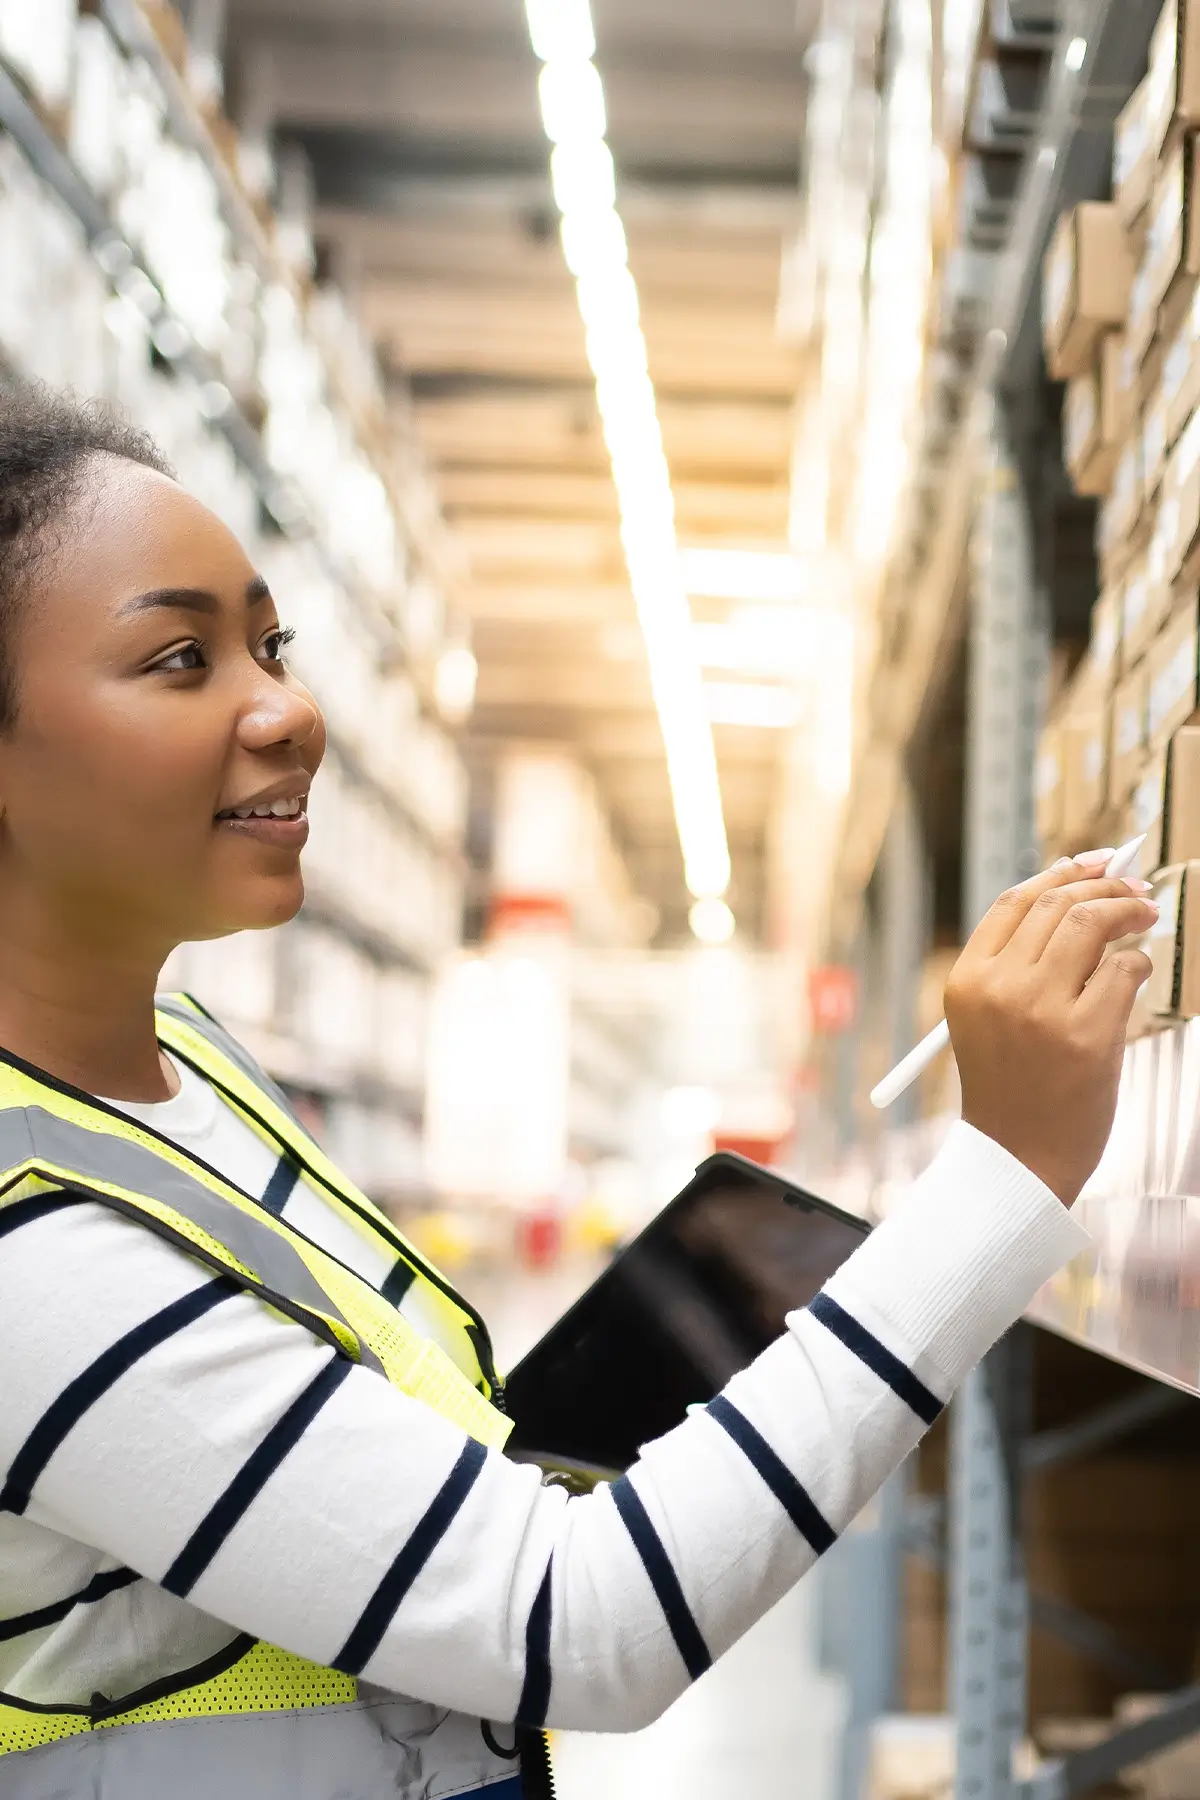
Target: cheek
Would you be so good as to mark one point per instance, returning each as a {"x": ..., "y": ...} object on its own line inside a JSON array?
[{"x": 110, "y": 772}]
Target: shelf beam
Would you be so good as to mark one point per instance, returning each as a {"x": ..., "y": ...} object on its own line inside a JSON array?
[
  {"x": 990, "y": 1613},
  {"x": 1090, "y": 1769}
]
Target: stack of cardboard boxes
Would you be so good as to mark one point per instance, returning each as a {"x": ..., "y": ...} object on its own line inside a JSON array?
[{"x": 1121, "y": 317}]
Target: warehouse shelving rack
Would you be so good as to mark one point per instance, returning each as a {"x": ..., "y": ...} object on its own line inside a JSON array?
[
  {"x": 982, "y": 486},
  {"x": 128, "y": 275}
]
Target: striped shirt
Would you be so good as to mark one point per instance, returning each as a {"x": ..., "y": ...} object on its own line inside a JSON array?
[{"x": 179, "y": 1464}]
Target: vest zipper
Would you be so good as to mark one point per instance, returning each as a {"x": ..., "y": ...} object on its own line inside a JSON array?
[{"x": 537, "y": 1771}]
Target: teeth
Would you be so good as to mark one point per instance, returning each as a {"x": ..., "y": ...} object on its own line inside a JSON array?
[{"x": 275, "y": 809}]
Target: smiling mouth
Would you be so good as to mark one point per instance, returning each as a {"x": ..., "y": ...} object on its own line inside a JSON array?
[{"x": 274, "y": 809}]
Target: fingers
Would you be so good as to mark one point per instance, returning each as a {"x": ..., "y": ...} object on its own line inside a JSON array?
[
  {"x": 1113, "y": 990},
  {"x": 1084, "y": 933},
  {"x": 998, "y": 925},
  {"x": 1045, "y": 917}
]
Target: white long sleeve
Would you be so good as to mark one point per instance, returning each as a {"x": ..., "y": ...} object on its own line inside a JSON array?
[{"x": 176, "y": 1461}]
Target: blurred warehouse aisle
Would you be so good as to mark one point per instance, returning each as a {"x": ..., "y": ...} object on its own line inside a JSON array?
[
  {"x": 763, "y": 1723},
  {"x": 734, "y": 474}
]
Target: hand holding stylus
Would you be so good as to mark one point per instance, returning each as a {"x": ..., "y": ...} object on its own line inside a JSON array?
[
  {"x": 1037, "y": 1015},
  {"x": 898, "y": 1081}
]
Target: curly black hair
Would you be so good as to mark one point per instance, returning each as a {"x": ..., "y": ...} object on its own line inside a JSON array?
[{"x": 47, "y": 441}]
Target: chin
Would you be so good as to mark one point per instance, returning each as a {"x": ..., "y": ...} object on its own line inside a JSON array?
[{"x": 269, "y": 903}]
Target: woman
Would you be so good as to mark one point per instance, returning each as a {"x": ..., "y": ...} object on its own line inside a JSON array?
[{"x": 256, "y": 1533}]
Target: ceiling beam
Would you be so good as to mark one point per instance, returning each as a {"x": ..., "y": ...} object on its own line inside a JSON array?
[
  {"x": 745, "y": 509},
  {"x": 573, "y": 606},
  {"x": 684, "y": 255},
  {"x": 453, "y": 87}
]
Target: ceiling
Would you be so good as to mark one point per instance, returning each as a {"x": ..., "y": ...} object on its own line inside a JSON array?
[{"x": 420, "y": 121}]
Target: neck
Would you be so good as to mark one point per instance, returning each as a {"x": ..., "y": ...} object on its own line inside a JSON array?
[{"x": 79, "y": 1007}]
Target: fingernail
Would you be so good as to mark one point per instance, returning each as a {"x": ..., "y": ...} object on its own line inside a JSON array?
[
  {"x": 1064, "y": 862},
  {"x": 1136, "y": 885},
  {"x": 1088, "y": 857}
]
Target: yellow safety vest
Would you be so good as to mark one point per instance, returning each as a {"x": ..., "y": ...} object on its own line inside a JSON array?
[{"x": 54, "y": 1136}]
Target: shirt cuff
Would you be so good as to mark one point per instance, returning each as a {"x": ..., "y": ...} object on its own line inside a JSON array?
[{"x": 959, "y": 1259}]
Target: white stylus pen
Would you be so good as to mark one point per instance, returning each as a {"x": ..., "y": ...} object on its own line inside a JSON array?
[{"x": 918, "y": 1060}]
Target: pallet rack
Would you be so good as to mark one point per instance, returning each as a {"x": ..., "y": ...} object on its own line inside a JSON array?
[
  {"x": 1049, "y": 80},
  {"x": 395, "y": 944}
]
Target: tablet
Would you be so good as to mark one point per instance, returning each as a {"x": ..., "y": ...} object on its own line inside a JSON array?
[{"x": 693, "y": 1299}]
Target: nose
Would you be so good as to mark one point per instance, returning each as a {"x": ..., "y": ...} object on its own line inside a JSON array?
[{"x": 277, "y": 713}]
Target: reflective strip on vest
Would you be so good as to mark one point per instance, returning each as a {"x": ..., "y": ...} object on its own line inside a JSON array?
[
  {"x": 187, "y": 1030},
  {"x": 57, "y": 1136},
  {"x": 87, "y": 1146},
  {"x": 36, "y": 1141}
]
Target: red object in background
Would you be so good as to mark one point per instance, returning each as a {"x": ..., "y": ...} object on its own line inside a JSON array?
[
  {"x": 539, "y": 1239},
  {"x": 527, "y": 912},
  {"x": 762, "y": 1150},
  {"x": 833, "y": 999}
]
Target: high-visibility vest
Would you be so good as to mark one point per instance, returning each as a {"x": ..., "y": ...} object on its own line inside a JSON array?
[{"x": 54, "y": 1137}]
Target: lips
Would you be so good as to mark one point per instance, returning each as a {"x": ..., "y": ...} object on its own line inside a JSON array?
[{"x": 281, "y": 822}]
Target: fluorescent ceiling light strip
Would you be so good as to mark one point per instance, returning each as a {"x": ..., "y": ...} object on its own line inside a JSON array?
[{"x": 584, "y": 181}]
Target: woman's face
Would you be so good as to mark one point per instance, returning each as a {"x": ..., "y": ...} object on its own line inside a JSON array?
[{"x": 152, "y": 707}]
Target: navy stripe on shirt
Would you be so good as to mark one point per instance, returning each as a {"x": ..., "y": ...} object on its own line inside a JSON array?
[
  {"x": 278, "y": 1190},
  {"x": 663, "y": 1579},
  {"x": 868, "y": 1349},
  {"x": 381, "y": 1608},
  {"x": 110, "y": 1581},
  {"x": 36, "y": 1206},
  {"x": 225, "y": 1513},
  {"x": 400, "y": 1278},
  {"x": 535, "y": 1692},
  {"x": 63, "y": 1414},
  {"x": 809, "y": 1521}
]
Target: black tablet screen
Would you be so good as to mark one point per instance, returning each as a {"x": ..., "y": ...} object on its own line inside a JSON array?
[{"x": 694, "y": 1298}]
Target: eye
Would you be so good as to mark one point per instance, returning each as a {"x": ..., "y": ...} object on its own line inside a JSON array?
[
  {"x": 275, "y": 643},
  {"x": 183, "y": 660}
]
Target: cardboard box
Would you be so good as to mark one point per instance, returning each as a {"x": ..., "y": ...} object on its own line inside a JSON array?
[
  {"x": 1084, "y": 740},
  {"x": 1135, "y": 157},
  {"x": 1138, "y": 377},
  {"x": 1104, "y": 647},
  {"x": 1180, "y": 801},
  {"x": 1088, "y": 276},
  {"x": 1127, "y": 759},
  {"x": 1178, "y": 526},
  {"x": 1141, "y": 324},
  {"x": 1172, "y": 250},
  {"x": 1137, "y": 614},
  {"x": 1173, "y": 79},
  {"x": 1093, "y": 419},
  {"x": 1154, "y": 445},
  {"x": 1180, "y": 383},
  {"x": 1173, "y": 674},
  {"x": 1147, "y": 815},
  {"x": 1048, "y": 786},
  {"x": 1122, "y": 510},
  {"x": 1173, "y": 944},
  {"x": 1160, "y": 564}
]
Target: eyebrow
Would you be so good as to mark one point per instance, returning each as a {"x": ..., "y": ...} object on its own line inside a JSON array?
[{"x": 181, "y": 599}]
